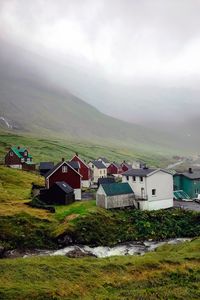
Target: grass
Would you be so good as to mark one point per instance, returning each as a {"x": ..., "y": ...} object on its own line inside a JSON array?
[
  {"x": 22, "y": 226},
  {"x": 54, "y": 149},
  {"x": 171, "y": 272}
]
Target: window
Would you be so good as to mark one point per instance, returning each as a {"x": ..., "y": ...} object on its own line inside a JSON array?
[
  {"x": 134, "y": 179},
  {"x": 127, "y": 177},
  {"x": 92, "y": 166},
  {"x": 25, "y": 153},
  {"x": 64, "y": 169},
  {"x": 100, "y": 172},
  {"x": 22, "y": 159},
  {"x": 141, "y": 179},
  {"x": 153, "y": 192},
  {"x": 11, "y": 153}
]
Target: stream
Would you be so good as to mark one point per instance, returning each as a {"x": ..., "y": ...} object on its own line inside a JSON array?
[{"x": 76, "y": 251}]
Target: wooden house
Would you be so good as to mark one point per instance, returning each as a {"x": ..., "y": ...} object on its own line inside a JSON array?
[
  {"x": 60, "y": 193},
  {"x": 114, "y": 169},
  {"x": 20, "y": 158},
  {"x": 63, "y": 171},
  {"x": 125, "y": 166},
  {"x": 115, "y": 195},
  {"x": 84, "y": 170},
  {"x": 98, "y": 170}
]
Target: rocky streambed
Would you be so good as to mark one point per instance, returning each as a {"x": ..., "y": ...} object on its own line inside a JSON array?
[{"x": 76, "y": 251}]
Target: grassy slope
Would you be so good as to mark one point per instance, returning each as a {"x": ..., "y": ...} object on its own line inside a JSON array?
[
  {"x": 172, "y": 272},
  {"x": 54, "y": 149},
  {"x": 22, "y": 226}
]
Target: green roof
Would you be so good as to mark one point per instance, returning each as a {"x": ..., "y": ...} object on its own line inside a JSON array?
[
  {"x": 19, "y": 152},
  {"x": 114, "y": 189}
]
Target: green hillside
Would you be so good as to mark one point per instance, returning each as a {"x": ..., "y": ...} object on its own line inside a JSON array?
[{"x": 172, "y": 272}]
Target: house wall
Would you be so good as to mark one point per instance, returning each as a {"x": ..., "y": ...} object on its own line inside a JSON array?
[
  {"x": 160, "y": 181},
  {"x": 112, "y": 169},
  {"x": 83, "y": 170},
  {"x": 13, "y": 161},
  {"x": 97, "y": 173},
  {"x": 71, "y": 177}
]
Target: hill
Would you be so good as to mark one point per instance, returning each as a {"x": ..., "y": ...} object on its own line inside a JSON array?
[{"x": 31, "y": 103}]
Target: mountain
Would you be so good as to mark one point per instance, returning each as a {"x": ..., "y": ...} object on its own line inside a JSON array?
[{"x": 30, "y": 103}]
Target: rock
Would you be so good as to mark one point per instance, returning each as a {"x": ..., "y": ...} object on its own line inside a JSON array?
[
  {"x": 78, "y": 253},
  {"x": 66, "y": 240}
]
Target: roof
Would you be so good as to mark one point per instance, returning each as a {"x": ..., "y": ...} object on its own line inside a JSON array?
[
  {"x": 98, "y": 164},
  {"x": 116, "y": 164},
  {"x": 19, "y": 151},
  {"x": 106, "y": 180},
  {"x": 127, "y": 165},
  {"x": 104, "y": 159},
  {"x": 50, "y": 172},
  {"x": 64, "y": 186},
  {"x": 74, "y": 164},
  {"x": 46, "y": 165},
  {"x": 193, "y": 175},
  {"x": 114, "y": 189},
  {"x": 138, "y": 172},
  {"x": 80, "y": 160}
]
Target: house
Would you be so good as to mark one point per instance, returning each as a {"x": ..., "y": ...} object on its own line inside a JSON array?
[
  {"x": 84, "y": 170},
  {"x": 59, "y": 193},
  {"x": 115, "y": 195},
  {"x": 125, "y": 166},
  {"x": 188, "y": 182},
  {"x": 153, "y": 188},
  {"x": 114, "y": 169},
  {"x": 105, "y": 180},
  {"x": 63, "y": 171},
  {"x": 98, "y": 170},
  {"x": 20, "y": 158},
  {"x": 45, "y": 167},
  {"x": 105, "y": 161}
]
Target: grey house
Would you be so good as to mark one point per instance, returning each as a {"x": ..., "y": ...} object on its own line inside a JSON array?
[{"x": 115, "y": 195}]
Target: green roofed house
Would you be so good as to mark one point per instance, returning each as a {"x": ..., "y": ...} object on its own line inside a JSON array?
[
  {"x": 187, "y": 184},
  {"x": 115, "y": 195},
  {"x": 20, "y": 158}
]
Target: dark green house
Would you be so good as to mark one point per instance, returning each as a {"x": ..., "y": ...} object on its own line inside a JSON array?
[{"x": 188, "y": 182}]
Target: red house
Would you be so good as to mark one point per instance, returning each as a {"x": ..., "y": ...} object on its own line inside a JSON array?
[
  {"x": 63, "y": 171},
  {"x": 114, "y": 169},
  {"x": 125, "y": 166},
  {"x": 84, "y": 170},
  {"x": 19, "y": 158}
]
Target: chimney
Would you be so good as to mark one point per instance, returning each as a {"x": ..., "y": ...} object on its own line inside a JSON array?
[
  {"x": 124, "y": 161},
  {"x": 63, "y": 159},
  {"x": 18, "y": 147},
  {"x": 76, "y": 153},
  {"x": 190, "y": 170}
]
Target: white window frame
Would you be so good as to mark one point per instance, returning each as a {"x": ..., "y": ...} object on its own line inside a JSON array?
[
  {"x": 64, "y": 169},
  {"x": 11, "y": 153}
]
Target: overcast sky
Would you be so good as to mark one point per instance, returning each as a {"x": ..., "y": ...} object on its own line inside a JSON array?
[{"x": 125, "y": 47}]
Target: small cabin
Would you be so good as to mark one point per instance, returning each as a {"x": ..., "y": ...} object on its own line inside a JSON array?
[{"x": 19, "y": 158}]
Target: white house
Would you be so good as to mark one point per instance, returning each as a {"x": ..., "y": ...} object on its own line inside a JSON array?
[
  {"x": 115, "y": 195},
  {"x": 98, "y": 169},
  {"x": 153, "y": 188}
]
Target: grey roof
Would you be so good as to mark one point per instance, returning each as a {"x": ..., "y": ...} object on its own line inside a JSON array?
[
  {"x": 138, "y": 172},
  {"x": 104, "y": 159},
  {"x": 106, "y": 180},
  {"x": 46, "y": 165},
  {"x": 98, "y": 164},
  {"x": 64, "y": 186},
  {"x": 193, "y": 175},
  {"x": 74, "y": 164},
  {"x": 53, "y": 169}
]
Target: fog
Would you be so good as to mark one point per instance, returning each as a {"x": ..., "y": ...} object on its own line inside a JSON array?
[{"x": 136, "y": 60}]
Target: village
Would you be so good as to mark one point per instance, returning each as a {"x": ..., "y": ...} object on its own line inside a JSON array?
[{"x": 115, "y": 185}]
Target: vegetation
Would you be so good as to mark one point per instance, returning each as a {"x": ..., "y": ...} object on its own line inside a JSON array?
[
  {"x": 53, "y": 150},
  {"x": 171, "y": 272},
  {"x": 23, "y": 226}
]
